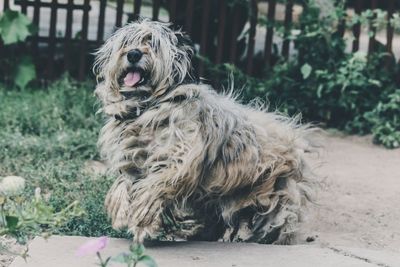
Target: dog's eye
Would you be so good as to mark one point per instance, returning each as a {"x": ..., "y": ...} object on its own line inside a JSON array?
[{"x": 147, "y": 38}]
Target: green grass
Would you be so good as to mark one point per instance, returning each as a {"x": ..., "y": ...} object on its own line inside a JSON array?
[{"x": 46, "y": 136}]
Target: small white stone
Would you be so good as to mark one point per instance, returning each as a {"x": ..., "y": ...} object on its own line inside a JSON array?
[{"x": 12, "y": 185}]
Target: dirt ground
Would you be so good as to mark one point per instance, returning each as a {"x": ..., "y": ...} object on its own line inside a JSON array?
[{"x": 359, "y": 200}]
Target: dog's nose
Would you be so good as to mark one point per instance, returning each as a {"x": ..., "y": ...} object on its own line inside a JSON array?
[{"x": 134, "y": 55}]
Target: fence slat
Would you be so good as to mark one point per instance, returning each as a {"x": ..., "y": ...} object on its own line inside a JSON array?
[
  {"x": 252, "y": 34},
  {"x": 68, "y": 36},
  {"x": 389, "y": 29},
  {"x": 189, "y": 16},
  {"x": 36, "y": 13},
  {"x": 84, "y": 35},
  {"x": 235, "y": 29},
  {"x": 156, "y": 9},
  {"x": 287, "y": 25},
  {"x": 120, "y": 7},
  {"x": 52, "y": 37},
  {"x": 372, "y": 29},
  {"x": 35, "y": 21},
  {"x": 100, "y": 24},
  {"x": 23, "y": 6},
  {"x": 136, "y": 9},
  {"x": 342, "y": 24},
  {"x": 61, "y": 40},
  {"x": 204, "y": 33},
  {"x": 221, "y": 31},
  {"x": 6, "y": 5},
  {"x": 270, "y": 32},
  {"x": 48, "y": 4},
  {"x": 172, "y": 10},
  {"x": 357, "y": 27}
]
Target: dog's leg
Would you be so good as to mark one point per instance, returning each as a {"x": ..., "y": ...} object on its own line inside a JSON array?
[
  {"x": 117, "y": 202},
  {"x": 145, "y": 209},
  {"x": 168, "y": 177},
  {"x": 149, "y": 197},
  {"x": 278, "y": 227}
]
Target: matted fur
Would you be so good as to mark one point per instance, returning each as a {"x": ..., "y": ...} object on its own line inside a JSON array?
[{"x": 189, "y": 157}]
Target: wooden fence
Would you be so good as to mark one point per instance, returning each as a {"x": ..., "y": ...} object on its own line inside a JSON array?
[{"x": 62, "y": 44}]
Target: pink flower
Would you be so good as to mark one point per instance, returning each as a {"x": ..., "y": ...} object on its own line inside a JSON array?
[{"x": 92, "y": 246}]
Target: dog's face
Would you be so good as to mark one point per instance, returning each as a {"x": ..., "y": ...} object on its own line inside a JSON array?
[{"x": 140, "y": 61}]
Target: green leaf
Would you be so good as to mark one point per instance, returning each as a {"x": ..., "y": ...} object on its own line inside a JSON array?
[
  {"x": 25, "y": 72},
  {"x": 12, "y": 222},
  {"x": 306, "y": 70},
  {"x": 14, "y": 27},
  {"x": 121, "y": 258},
  {"x": 148, "y": 261},
  {"x": 137, "y": 249},
  {"x": 319, "y": 90}
]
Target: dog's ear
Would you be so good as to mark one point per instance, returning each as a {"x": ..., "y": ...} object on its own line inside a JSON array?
[
  {"x": 184, "y": 39},
  {"x": 186, "y": 44}
]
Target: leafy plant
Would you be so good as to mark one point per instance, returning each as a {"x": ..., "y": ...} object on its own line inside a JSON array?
[
  {"x": 131, "y": 259},
  {"x": 385, "y": 120},
  {"x": 25, "y": 217},
  {"x": 15, "y": 27},
  {"x": 322, "y": 80},
  {"x": 135, "y": 256},
  {"x": 47, "y": 135}
]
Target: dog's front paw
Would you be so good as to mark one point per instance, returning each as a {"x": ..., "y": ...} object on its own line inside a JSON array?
[{"x": 145, "y": 212}]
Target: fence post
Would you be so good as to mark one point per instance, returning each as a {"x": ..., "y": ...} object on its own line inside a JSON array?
[
  {"x": 23, "y": 6},
  {"x": 252, "y": 34},
  {"x": 84, "y": 35},
  {"x": 68, "y": 35},
  {"x": 100, "y": 24},
  {"x": 204, "y": 33},
  {"x": 372, "y": 28},
  {"x": 270, "y": 32},
  {"x": 221, "y": 31},
  {"x": 156, "y": 9},
  {"x": 52, "y": 39},
  {"x": 120, "y": 7},
  {"x": 234, "y": 34},
  {"x": 189, "y": 16},
  {"x": 390, "y": 30},
  {"x": 288, "y": 23},
  {"x": 357, "y": 27},
  {"x": 6, "y": 5},
  {"x": 137, "y": 4},
  {"x": 35, "y": 21},
  {"x": 172, "y": 10}
]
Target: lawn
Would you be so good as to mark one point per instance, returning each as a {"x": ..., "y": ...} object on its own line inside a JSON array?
[{"x": 47, "y": 136}]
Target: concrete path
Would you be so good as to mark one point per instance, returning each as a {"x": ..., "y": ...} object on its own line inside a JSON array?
[{"x": 60, "y": 251}]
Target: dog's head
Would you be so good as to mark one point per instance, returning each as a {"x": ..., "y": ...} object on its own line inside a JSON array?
[{"x": 142, "y": 60}]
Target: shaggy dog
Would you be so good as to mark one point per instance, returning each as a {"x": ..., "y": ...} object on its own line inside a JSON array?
[{"x": 192, "y": 163}]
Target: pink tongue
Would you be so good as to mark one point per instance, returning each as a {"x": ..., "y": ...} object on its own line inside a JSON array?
[{"x": 132, "y": 78}]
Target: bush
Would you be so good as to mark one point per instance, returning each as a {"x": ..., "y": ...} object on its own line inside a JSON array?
[{"x": 325, "y": 83}]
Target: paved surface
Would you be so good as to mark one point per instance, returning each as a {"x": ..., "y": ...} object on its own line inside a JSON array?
[
  {"x": 360, "y": 186},
  {"x": 60, "y": 251}
]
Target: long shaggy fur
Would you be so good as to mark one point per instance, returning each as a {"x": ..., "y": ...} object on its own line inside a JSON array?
[{"x": 190, "y": 162}]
